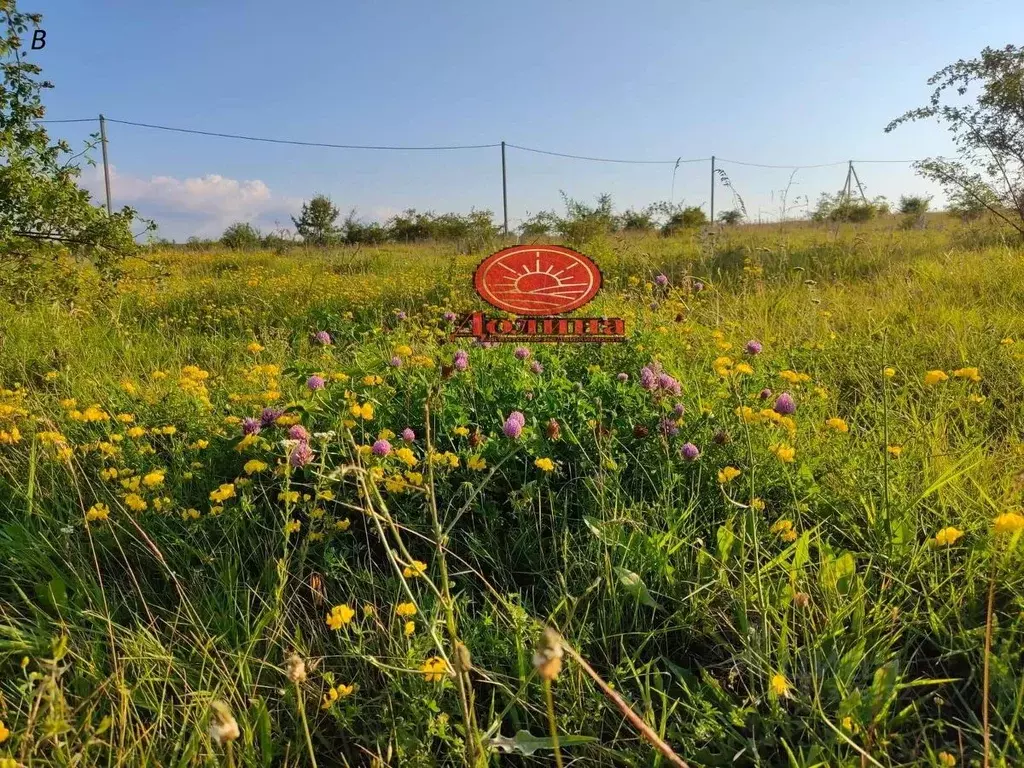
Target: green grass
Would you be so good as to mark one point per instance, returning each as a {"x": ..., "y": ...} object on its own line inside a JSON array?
[{"x": 854, "y": 642}]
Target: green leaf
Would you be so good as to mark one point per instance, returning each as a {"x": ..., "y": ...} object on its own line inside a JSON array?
[
  {"x": 525, "y": 743},
  {"x": 635, "y": 586}
]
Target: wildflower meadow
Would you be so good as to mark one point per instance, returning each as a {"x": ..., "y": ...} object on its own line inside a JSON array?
[{"x": 261, "y": 510}]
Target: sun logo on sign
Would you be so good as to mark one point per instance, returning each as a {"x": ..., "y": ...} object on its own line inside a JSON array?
[{"x": 537, "y": 280}]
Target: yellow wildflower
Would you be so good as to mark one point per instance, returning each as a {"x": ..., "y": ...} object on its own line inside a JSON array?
[
  {"x": 253, "y": 466},
  {"x": 414, "y": 569},
  {"x": 364, "y": 411},
  {"x": 97, "y": 512},
  {"x": 223, "y": 493},
  {"x": 894, "y": 450},
  {"x": 343, "y": 525},
  {"x": 255, "y": 347},
  {"x": 946, "y": 537},
  {"x": 935, "y": 377},
  {"x": 288, "y": 497},
  {"x": 476, "y": 463},
  {"x": 339, "y": 616},
  {"x": 784, "y": 529},
  {"x": 780, "y": 685},
  {"x": 728, "y": 474},
  {"x": 785, "y": 453},
  {"x": 153, "y": 479},
  {"x": 946, "y": 760},
  {"x": 410, "y": 628},
  {"x": 971, "y": 374},
  {"x": 1008, "y": 522},
  {"x": 135, "y": 502},
  {"x": 405, "y": 609},
  {"x": 837, "y": 424},
  {"x": 889, "y": 372},
  {"x": 545, "y": 465},
  {"x": 292, "y": 526},
  {"x": 434, "y": 669}
]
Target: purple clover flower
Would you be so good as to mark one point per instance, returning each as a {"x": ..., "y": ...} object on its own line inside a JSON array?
[
  {"x": 678, "y": 409},
  {"x": 623, "y": 377},
  {"x": 669, "y": 428},
  {"x": 315, "y": 382},
  {"x": 536, "y": 367},
  {"x": 323, "y": 338},
  {"x": 395, "y": 362},
  {"x": 461, "y": 360},
  {"x": 753, "y": 347},
  {"x": 301, "y": 454},
  {"x": 269, "y": 416},
  {"x": 381, "y": 448},
  {"x": 401, "y": 315},
  {"x": 298, "y": 432},
  {"x": 408, "y": 435},
  {"x": 648, "y": 378},
  {"x": 449, "y": 316},
  {"x": 250, "y": 426},
  {"x": 690, "y": 452},
  {"x": 698, "y": 286},
  {"x": 785, "y": 404},
  {"x": 661, "y": 280},
  {"x": 513, "y": 427},
  {"x": 765, "y": 393},
  {"x": 667, "y": 382},
  {"x": 522, "y": 353}
]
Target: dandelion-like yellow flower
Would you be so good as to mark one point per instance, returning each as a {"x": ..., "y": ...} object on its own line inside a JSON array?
[
  {"x": 135, "y": 502},
  {"x": 935, "y": 377},
  {"x": 253, "y": 466},
  {"x": 414, "y": 569},
  {"x": 971, "y": 374},
  {"x": 434, "y": 669},
  {"x": 223, "y": 493},
  {"x": 97, "y": 511},
  {"x": 255, "y": 347},
  {"x": 405, "y": 609},
  {"x": 4, "y": 734},
  {"x": 894, "y": 450},
  {"x": 545, "y": 465},
  {"x": 153, "y": 479},
  {"x": 780, "y": 685},
  {"x": 728, "y": 474},
  {"x": 784, "y": 529},
  {"x": 947, "y": 537},
  {"x": 889, "y": 372},
  {"x": 364, "y": 411},
  {"x": 839, "y": 425},
  {"x": 1008, "y": 522},
  {"x": 461, "y": 431},
  {"x": 339, "y": 616},
  {"x": 785, "y": 453},
  {"x": 476, "y": 463}
]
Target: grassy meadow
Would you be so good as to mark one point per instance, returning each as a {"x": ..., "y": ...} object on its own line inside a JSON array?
[{"x": 220, "y": 545}]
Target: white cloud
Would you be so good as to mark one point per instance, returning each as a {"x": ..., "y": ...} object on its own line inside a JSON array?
[{"x": 201, "y": 206}]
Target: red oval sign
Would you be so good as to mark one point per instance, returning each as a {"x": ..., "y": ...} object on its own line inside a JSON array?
[{"x": 537, "y": 279}]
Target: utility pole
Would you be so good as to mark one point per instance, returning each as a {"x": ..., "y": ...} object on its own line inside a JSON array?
[
  {"x": 857, "y": 179},
  {"x": 712, "y": 189},
  {"x": 106, "y": 162},
  {"x": 504, "y": 188}
]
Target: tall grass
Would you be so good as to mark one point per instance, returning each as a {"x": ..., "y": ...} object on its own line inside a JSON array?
[{"x": 802, "y": 613}]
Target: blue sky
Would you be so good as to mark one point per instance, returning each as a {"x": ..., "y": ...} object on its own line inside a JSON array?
[{"x": 774, "y": 83}]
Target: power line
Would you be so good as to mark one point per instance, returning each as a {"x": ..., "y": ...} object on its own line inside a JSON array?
[
  {"x": 608, "y": 160},
  {"x": 267, "y": 140},
  {"x": 299, "y": 143}
]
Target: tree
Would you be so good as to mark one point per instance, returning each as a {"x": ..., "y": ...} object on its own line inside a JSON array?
[
  {"x": 914, "y": 205},
  {"x": 690, "y": 217},
  {"x": 981, "y": 103},
  {"x": 316, "y": 222},
  {"x": 241, "y": 236},
  {"x": 735, "y": 216},
  {"x": 44, "y": 215},
  {"x": 840, "y": 207}
]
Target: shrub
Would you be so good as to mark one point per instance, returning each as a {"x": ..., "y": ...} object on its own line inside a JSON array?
[
  {"x": 690, "y": 217},
  {"x": 241, "y": 236},
  {"x": 731, "y": 217}
]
